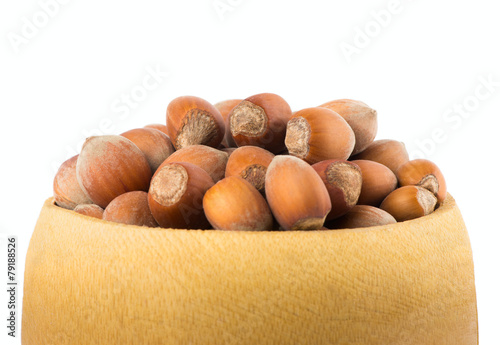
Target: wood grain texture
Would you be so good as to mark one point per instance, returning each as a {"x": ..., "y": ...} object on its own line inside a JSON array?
[{"x": 88, "y": 281}]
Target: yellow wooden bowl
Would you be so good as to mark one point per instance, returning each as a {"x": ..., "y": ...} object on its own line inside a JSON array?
[{"x": 89, "y": 281}]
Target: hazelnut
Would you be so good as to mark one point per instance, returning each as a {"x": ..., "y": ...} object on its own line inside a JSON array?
[
  {"x": 130, "y": 208},
  {"x": 234, "y": 204},
  {"x": 343, "y": 181},
  {"x": 91, "y": 210},
  {"x": 155, "y": 145},
  {"x": 194, "y": 121},
  {"x": 228, "y": 150},
  {"x": 361, "y": 118},
  {"x": 409, "y": 202},
  {"x": 260, "y": 120},
  {"x": 318, "y": 134},
  {"x": 176, "y": 196},
  {"x": 211, "y": 160},
  {"x": 109, "y": 166},
  {"x": 362, "y": 216},
  {"x": 378, "y": 182},
  {"x": 423, "y": 173},
  {"x": 391, "y": 153},
  {"x": 158, "y": 127},
  {"x": 67, "y": 192},
  {"x": 250, "y": 163},
  {"x": 225, "y": 108},
  {"x": 296, "y": 194}
]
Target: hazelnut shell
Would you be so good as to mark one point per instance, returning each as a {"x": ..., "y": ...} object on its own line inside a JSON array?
[
  {"x": 194, "y": 121},
  {"x": 211, "y": 160},
  {"x": 318, "y": 134},
  {"x": 362, "y": 216},
  {"x": 409, "y": 202},
  {"x": 343, "y": 180},
  {"x": 67, "y": 191},
  {"x": 260, "y": 120},
  {"x": 250, "y": 163},
  {"x": 423, "y": 173},
  {"x": 225, "y": 108},
  {"x": 391, "y": 153},
  {"x": 360, "y": 117},
  {"x": 91, "y": 210},
  {"x": 130, "y": 208},
  {"x": 234, "y": 204},
  {"x": 296, "y": 194},
  {"x": 155, "y": 145},
  {"x": 378, "y": 182},
  {"x": 109, "y": 166},
  {"x": 176, "y": 196}
]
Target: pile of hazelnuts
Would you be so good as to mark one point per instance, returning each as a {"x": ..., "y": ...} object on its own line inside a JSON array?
[{"x": 251, "y": 164}]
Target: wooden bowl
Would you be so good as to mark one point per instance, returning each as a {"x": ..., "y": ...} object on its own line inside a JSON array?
[{"x": 89, "y": 281}]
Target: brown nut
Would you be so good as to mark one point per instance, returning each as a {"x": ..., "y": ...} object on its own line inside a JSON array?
[
  {"x": 91, "y": 210},
  {"x": 228, "y": 150},
  {"x": 67, "y": 191},
  {"x": 194, "y": 121},
  {"x": 362, "y": 216},
  {"x": 130, "y": 208},
  {"x": 234, "y": 204},
  {"x": 225, "y": 108},
  {"x": 296, "y": 194},
  {"x": 158, "y": 127},
  {"x": 343, "y": 181},
  {"x": 176, "y": 196},
  {"x": 155, "y": 145},
  {"x": 250, "y": 163},
  {"x": 211, "y": 160},
  {"x": 260, "y": 120},
  {"x": 318, "y": 134},
  {"x": 423, "y": 173},
  {"x": 391, "y": 153},
  {"x": 409, "y": 202},
  {"x": 109, "y": 166},
  {"x": 378, "y": 182},
  {"x": 361, "y": 118}
]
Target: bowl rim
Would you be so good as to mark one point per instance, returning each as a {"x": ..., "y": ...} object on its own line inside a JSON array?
[{"x": 447, "y": 206}]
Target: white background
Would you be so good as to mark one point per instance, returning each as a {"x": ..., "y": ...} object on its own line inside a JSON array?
[{"x": 66, "y": 71}]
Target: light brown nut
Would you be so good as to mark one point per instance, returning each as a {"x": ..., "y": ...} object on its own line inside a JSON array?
[
  {"x": 225, "y": 108},
  {"x": 109, "y": 166},
  {"x": 155, "y": 145},
  {"x": 362, "y": 216},
  {"x": 91, "y": 210},
  {"x": 67, "y": 191},
  {"x": 130, "y": 208},
  {"x": 391, "y": 153},
  {"x": 378, "y": 182},
  {"x": 211, "y": 160},
  {"x": 409, "y": 202},
  {"x": 361, "y": 118},
  {"x": 194, "y": 121},
  {"x": 234, "y": 204},
  {"x": 260, "y": 120},
  {"x": 423, "y": 173},
  {"x": 343, "y": 180},
  {"x": 318, "y": 134},
  {"x": 158, "y": 127},
  {"x": 296, "y": 194},
  {"x": 250, "y": 163},
  {"x": 176, "y": 196}
]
